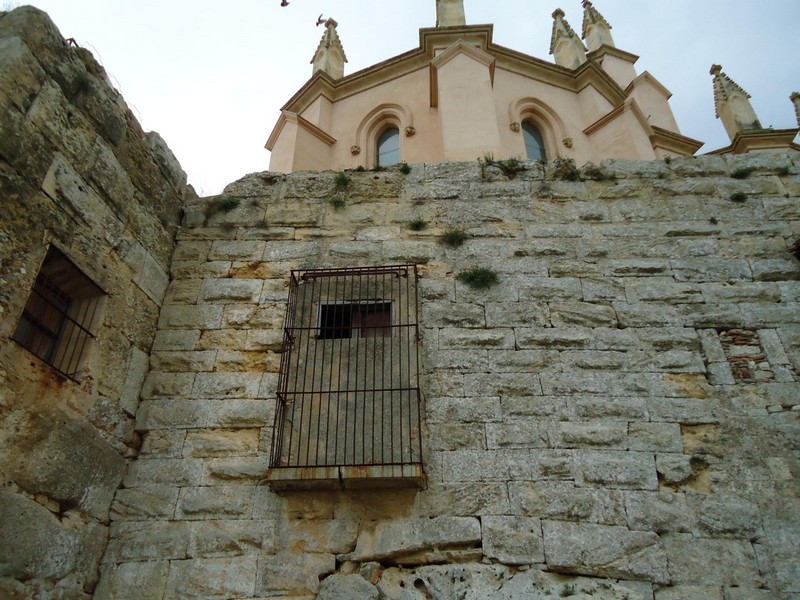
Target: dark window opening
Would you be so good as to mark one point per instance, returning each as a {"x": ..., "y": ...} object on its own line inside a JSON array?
[
  {"x": 60, "y": 314},
  {"x": 534, "y": 143},
  {"x": 361, "y": 319},
  {"x": 348, "y": 390}
]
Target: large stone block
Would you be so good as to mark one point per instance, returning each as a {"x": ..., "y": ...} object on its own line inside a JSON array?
[
  {"x": 215, "y": 502},
  {"x": 34, "y": 543},
  {"x": 65, "y": 459},
  {"x": 513, "y": 540},
  {"x": 401, "y": 537},
  {"x": 563, "y": 501},
  {"x": 212, "y": 578},
  {"x": 133, "y": 581},
  {"x": 702, "y": 561},
  {"x": 617, "y": 470},
  {"x": 288, "y": 574},
  {"x": 604, "y": 551}
]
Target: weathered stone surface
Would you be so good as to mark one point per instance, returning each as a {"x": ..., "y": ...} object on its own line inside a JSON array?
[
  {"x": 563, "y": 501},
  {"x": 620, "y": 470},
  {"x": 69, "y": 462},
  {"x": 513, "y": 540},
  {"x": 217, "y": 502},
  {"x": 211, "y": 578},
  {"x": 347, "y": 587},
  {"x": 604, "y": 551},
  {"x": 289, "y": 574},
  {"x": 701, "y": 561},
  {"x": 400, "y": 537},
  {"x": 50, "y": 551},
  {"x": 659, "y": 511},
  {"x": 133, "y": 581}
]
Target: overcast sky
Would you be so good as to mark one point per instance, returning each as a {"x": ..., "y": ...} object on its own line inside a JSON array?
[{"x": 211, "y": 76}]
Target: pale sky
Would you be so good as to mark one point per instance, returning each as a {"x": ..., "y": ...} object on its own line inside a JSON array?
[{"x": 211, "y": 76}]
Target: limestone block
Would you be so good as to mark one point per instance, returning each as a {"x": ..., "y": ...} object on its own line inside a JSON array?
[
  {"x": 393, "y": 539},
  {"x": 226, "y": 385},
  {"x": 212, "y": 578},
  {"x": 66, "y": 459},
  {"x": 736, "y": 593},
  {"x": 582, "y": 314},
  {"x": 559, "y": 339},
  {"x": 604, "y": 551},
  {"x": 225, "y": 291},
  {"x": 456, "y": 338},
  {"x": 674, "y": 468},
  {"x": 721, "y": 269},
  {"x": 516, "y": 434},
  {"x": 285, "y": 574},
  {"x": 562, "y": 501},
  {"x": 335, "y": 536},
  {"x": 598, "y": 290},
  {"x": 224, "y": 250},
  {"x": 608, "y": 383},
  {"x": 241, "y": 413},
  {"x": 138, "y": 364},
  {"x": 513, "y": 540},
  {"x": 207, "y": 316},
  {"x": 34, "y": 542},
  {"x": 133, "y": 581},
  {"x": 165, "y": 159},
  {"x": 463, "y": 361},
  {"x": 463, "y": 499},
  {"x": 171, "y": 471},
  {"x": 655, "y": 437},
  {"x": 152, "y": 279},
  {"x": 168, "y": 413},
  {"x": 245, "y": 316},
  {"x": 601, "y": 435},
  {"x": 632, "y": 409},
  {"x": 183, "y": 361},
  {"x": 617, "y": 470},
  {"x": 146, "y": 540},
  {"x": 502, "y": 384},
  {"x": 221, "y": 442},
  {"x": 463, "y": 410},
  {"x": 517, "y": 314},
  {"x": 521, "y": 361},
  {"x": 197, "y": 270},
  {"x": 145, "y": 502},
  {"x": 347, "y": 587},
  {"x": 452, "y": 314},
  {"x": 182, "y": 339},
  {"x": 773, "y": 347},
  {"x": 222, "y": 537},
  {"x": 593, "y": 360},
  {"x": 727, "y": 515},
  {"x": 775, "y": 270},
  {"x": 21, "y": 76},
  {"x": 162, "y": 443},
  {"x": 659, "y": 511},
  {"x": 679, "y": 410},
  {"x": 702, "y": 561},
  {"x": 679, "y": 592},
  {"x": 456, "y": 436},
  {"x": 216, "y": 502},
  {"x": 191, "y": 250},
  {"x": 242, "y": 470}
]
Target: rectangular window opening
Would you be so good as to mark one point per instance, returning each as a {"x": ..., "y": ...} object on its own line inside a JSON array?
[
  {"x": 348, "y": 389},
  {"x": 60, "y": 315}
]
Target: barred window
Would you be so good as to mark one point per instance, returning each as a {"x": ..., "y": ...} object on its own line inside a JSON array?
[
  {"x": 60, "y": 315},
  {"x": 348, "y": 391}
]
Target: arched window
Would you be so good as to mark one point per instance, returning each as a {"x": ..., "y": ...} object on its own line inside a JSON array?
[
  {"x": 389, "y": 147},
  {"x": 534, "y": 144}
]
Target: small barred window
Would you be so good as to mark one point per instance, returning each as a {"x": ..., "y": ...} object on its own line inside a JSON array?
[{"x": 61, "y": 314}]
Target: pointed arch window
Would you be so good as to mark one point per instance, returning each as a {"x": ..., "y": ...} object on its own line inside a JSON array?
[
  {"x": 389, "y": 147},
  {"x": 534, "y": 143}
]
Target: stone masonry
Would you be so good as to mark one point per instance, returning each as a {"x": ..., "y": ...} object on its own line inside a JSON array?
[
  {"x": 586, "y": 433},
  {"x": 76, "y": 173},
  {"x": 616, "y": 418}
]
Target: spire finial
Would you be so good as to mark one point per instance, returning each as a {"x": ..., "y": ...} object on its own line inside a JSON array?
[
  {"x": 565, "y": 46},
  {"x": 330, "y": 56},
  {"x": 795, "y": 98},
  {"x": 732, "y": 104},
  {"x": 596, "y": 30},
  {"x": 450, "y": 13}
]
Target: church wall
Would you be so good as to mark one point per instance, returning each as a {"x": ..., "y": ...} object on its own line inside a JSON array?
[
  {"x": 77, "y": 174},
  {"x": 615, "y": 418}
]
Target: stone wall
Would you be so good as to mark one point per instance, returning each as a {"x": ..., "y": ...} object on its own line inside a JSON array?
[
  {"x": 76, "y": 173},
  {"x": 616, "y": 418}
]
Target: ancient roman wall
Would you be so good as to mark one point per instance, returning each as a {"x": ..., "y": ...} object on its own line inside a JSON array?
[
  {"x": 77, "y": 173},
  {"x": 617, "y": 417}
]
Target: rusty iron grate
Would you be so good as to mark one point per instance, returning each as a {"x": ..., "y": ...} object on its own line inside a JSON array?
[{"x": 348, "y": 390}]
